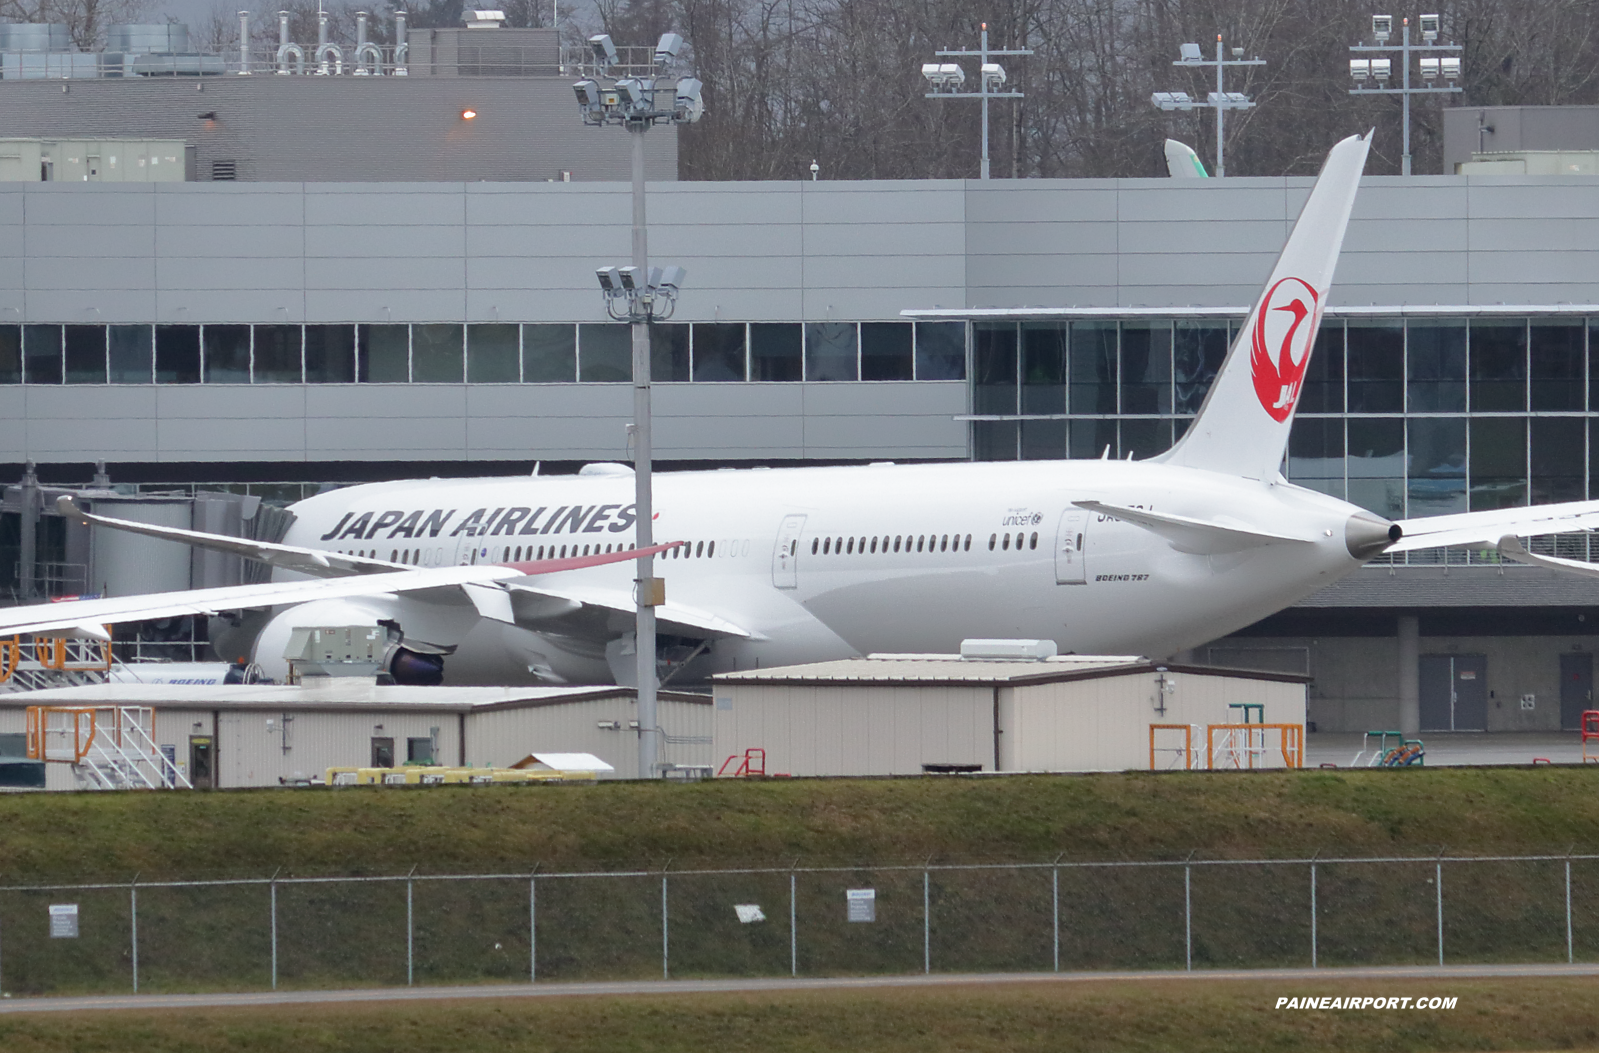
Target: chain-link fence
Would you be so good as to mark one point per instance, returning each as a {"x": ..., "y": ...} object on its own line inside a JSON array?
[{"x": 312, "y": 932}]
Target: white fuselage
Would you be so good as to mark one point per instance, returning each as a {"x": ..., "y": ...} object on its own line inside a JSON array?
[{"x": 931, "y": 555}]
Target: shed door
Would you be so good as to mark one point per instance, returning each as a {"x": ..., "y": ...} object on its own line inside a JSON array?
[
  {"x": 1069, "y": 547},
  {"x": 1576, "y": 688},
  {"x": 785, "y": 554},
  {"x": 1454, "y": 692}
]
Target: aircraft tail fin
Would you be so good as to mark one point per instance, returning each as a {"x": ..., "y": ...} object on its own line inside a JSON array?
[{"x": 1242, "y": 427}]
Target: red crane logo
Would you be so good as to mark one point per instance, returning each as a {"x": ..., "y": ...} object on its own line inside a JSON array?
[{"x": 1280, "y": 343}]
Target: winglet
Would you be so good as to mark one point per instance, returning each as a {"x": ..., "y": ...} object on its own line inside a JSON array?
[{"x": 1242, "y": 427}]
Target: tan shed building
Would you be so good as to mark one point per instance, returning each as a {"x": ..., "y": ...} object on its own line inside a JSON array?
[
  {"x": 240, "y": 735},
  {"x": 905, "y": 714}
]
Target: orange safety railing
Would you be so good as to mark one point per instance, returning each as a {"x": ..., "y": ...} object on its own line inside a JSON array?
[
  {"x": 63, "y": 654},
  {"x": 84, "y": 728},
  {"x": 753, "y": 763},
  {"x": 1590, "y": 733},
  {"x": 1187, "y": 746},
  {"x": 1255, "y": 746}
]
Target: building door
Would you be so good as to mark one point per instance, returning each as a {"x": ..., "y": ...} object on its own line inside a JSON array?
[
  {"x": 1576, "y": 688},
  {"x": 1069, "y": 547},
  {"x": 1454, "y": 692},
  {"x": 202, "y": 762},
  {"x": 382, "y": 753},
  {"x": 785, "y": 555}
]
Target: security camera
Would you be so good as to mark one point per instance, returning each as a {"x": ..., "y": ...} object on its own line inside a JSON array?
[
  {"x": 610, "y": 279},
  {"x": 588, "y": 94},
  {"x": 632, "y": 93},
  {"x": 1382, "y": 27},
  {"x": 1429, "y": 27},
  {"x": 670, "y": 278},
  {"x": 629, "y": 277}
]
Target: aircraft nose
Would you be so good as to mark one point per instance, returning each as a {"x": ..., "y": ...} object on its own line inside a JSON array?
[{"x": 1366, "y": 535}]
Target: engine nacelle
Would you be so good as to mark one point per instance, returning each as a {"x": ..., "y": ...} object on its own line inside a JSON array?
[{"x": 409, "y": 660}]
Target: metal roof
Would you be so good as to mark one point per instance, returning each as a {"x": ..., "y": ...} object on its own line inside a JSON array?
[
  {"x": 940, "y": 670},
  {"x": 338, "y": 693}
]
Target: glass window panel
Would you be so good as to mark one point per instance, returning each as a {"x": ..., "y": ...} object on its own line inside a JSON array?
[
  {"x": 1437, "y": 462},
  {"x": 1198, "y": 351},
  {"x": 1375, "y": 360},
  {"x": 1044, "y": 371},
  {"x": 994, "y": 365},
  {"x": 777, "y": 351},
  {"x": 1093, "y": 367},
  {"x": 1498, "y": 463},
  {"x": 1436, "y": 360},
  {"x": 1316, "y": 454},
  {"x": 1556, "y": 355},
  {"x": 383, "y": 354},
  {"x": 1376, "y": 465},
  {"x": 177, "y": 354},
  {"x": 886, "y": 351},
  {"x": 1142, "y": 439},
  {"x": 605, "y": 353},
  {"x": 436, "y": 354},
  {"x": 718, "y": 351},
  {"x": 832, "y": 351},
  {"x": 492, "y": 354},
  {"x": 41, "y": 347},
  {"x": 1146, "y": 367},
  {"x": 994, "y": 440},
  {"x": 132, "y": 353},
  {"x": 1323, "y": 390},
  {"x": 1593, "y": 462},
  {"x": 227, "y": 353},
  {"x": 1497, "y": 353},
  {"x": 940, "y": 350},
  {"x": 1556, "y": 458},
  {"x": 1043, "y": 440},
  {"x": 329, "y": 354},
  {"x": 10, "y": 354},
  {"x": 279, "y": 354},
  {"x": 549, "y": 354},
  {"x": 1091, "y": 438},
  {"x": 85, "y": 346},
  {"x": 668, "y": 351},
  {"x": 1593, "y": 366}
]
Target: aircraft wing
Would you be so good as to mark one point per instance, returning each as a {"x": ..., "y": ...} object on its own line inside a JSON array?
[
  {"x": 537, "y": 605},
  {"x": 1198, "y": 536},
  {"x": 1487, "y": 528},
  {"x": 310, "y": 561},
  {"x": 481, "y": 582},
  {"x": 1511, "y": 548}
]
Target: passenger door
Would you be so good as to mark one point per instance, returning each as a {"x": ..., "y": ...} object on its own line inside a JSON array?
[
  {"x": 1576, "y": 688},
  {"x": 1069, "y": 550},
  {"x": 785, "y": 554}
]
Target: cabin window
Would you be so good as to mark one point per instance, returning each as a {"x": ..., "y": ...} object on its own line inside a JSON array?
[
  {"x": 943, "y": 543},
  {"x": 1032, "y": 542},
  {"x": 815, "y": 544},
  {"x": 1006, "y": 545},
  {"x": 699, "y": 550},
  {"x": 710, "y": 549},
  {"x": 394, "y": 556},
  {"x": 992, "y": 538},
  {"x": 851, "y": 549},
  {"x": 874, "y": 546},
  {"x": 827, "y": 546}
]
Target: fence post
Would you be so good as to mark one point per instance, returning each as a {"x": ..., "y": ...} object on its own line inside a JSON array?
[
  {"x": 1055, "y": 897},
  {"x": 1188, "y": 917},
  {"x": 927, "y": 923},
  {"x": 410, "y": 932},
  {"x": 666, "y": 946},
  {"x": 1313, "y": 963},
  {"x": 133, "y": 924},
  {"x": 793, "y": 929},
  {"x": 273, "y": 887},
  {"x": 1438, "y": 878},
  {"x": 1569, "y": 957},
  {"x": 532, "y": 929}
]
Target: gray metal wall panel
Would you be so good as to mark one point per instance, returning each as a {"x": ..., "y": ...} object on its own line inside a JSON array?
[
  {"x": 1060, "y": 200},
  {"x": 1505, "y": 197},
  {"x": 1579, "y": 234},
  {"x": 1022, "y": 239},
  {"x": 90, "y": 273},
  {"x": 89, "y": 439}
]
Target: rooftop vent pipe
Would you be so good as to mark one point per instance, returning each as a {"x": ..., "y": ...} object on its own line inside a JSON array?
[
  {"x": 368, "y": 56},
  {"x": 244, "y": 43},
  {"x": 325, "y": 50},
  {"x": 401, "y": 48},
  {"x": 287, "y": 50}
]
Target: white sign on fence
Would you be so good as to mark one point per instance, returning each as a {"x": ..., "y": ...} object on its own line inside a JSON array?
[
  {"x": 862, "y": 904},
  {"x": 63, "y": 921},
  {"x": 749, "y": 912}
]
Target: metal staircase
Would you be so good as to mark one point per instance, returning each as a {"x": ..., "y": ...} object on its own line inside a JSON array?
[
  {"x": 34, "y": 663},
  {"x": 109, "y": 747}
]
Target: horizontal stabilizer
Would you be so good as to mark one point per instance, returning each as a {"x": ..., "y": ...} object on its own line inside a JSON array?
[
  {"x": 1511, "y": 548},
  {"x": 1197, "y": 536},
  {"x": 1488, "y": 527}
]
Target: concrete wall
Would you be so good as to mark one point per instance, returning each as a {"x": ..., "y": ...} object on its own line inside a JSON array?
[
  {"x": 1355, "y": 684},
  {"x": 502, "y": 737}
]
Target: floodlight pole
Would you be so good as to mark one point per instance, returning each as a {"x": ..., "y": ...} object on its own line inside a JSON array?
[
  {"x": 1405, "y": 91},
  {"x": 643, "y": 494},
  {"x": 1220, "y": 103},
  {"x": 984, "y": 54}
]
